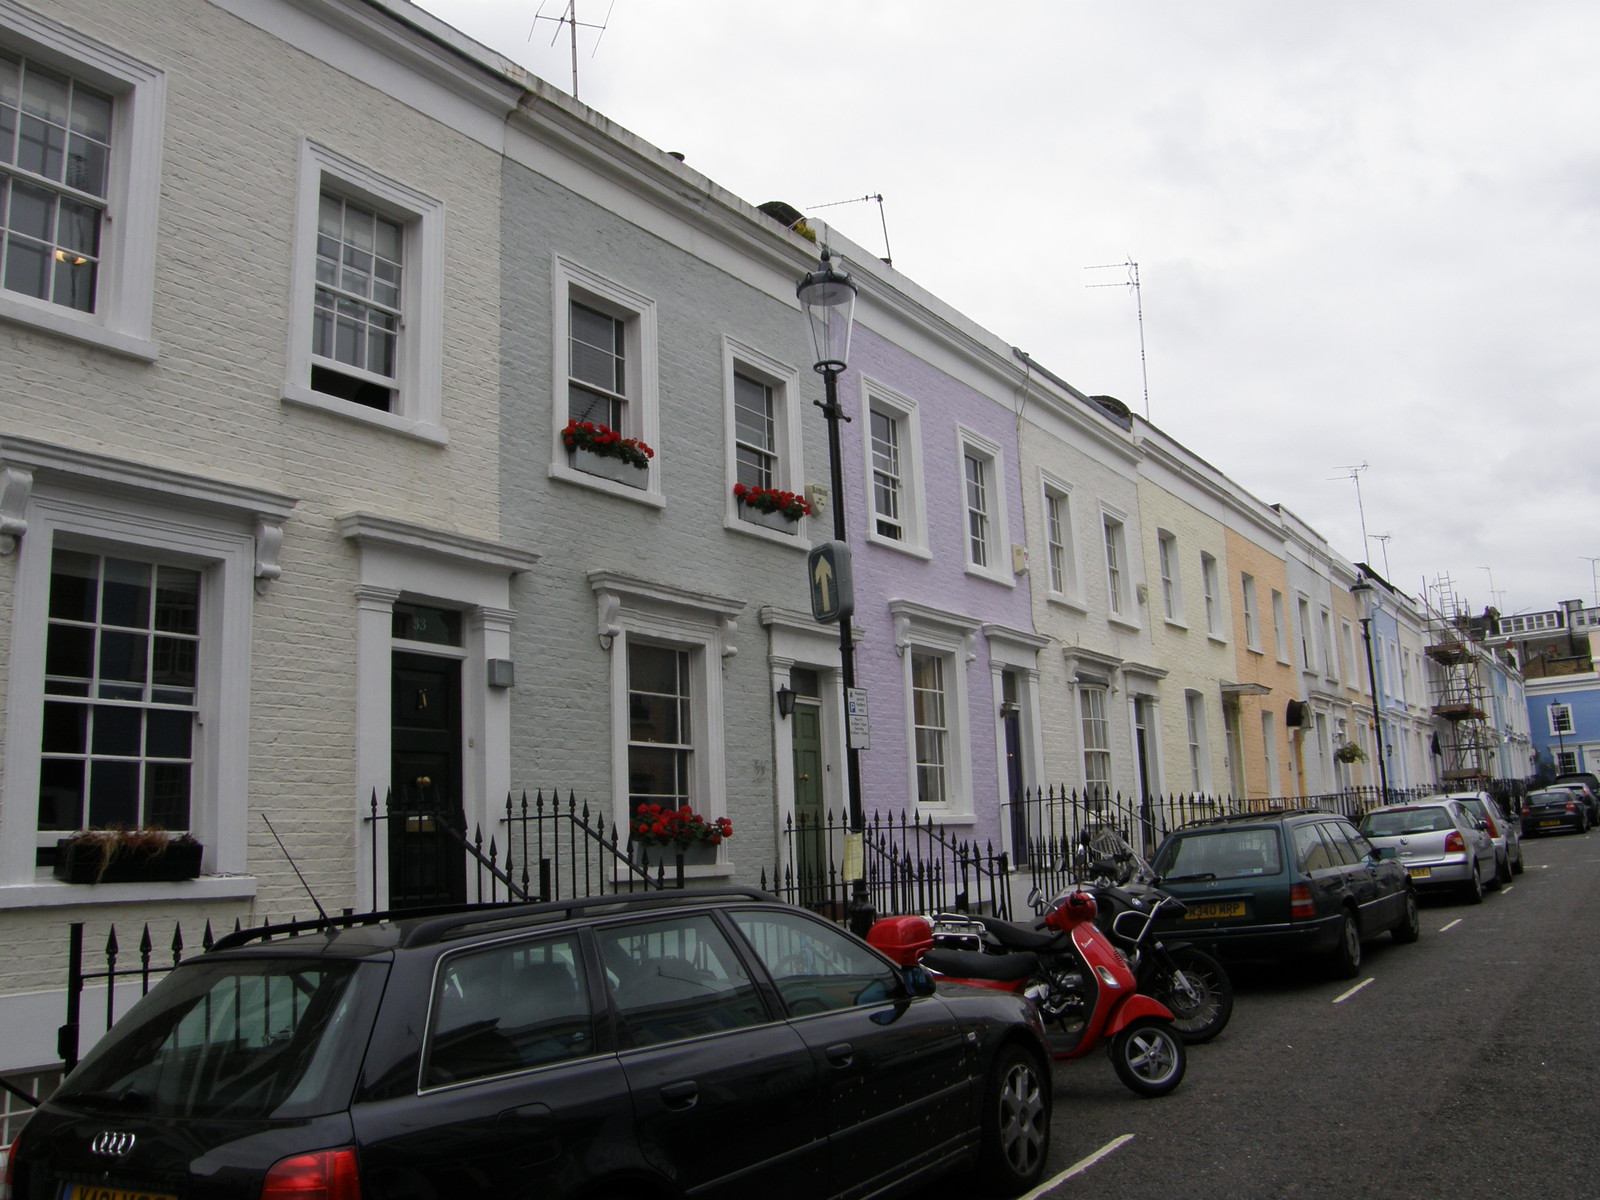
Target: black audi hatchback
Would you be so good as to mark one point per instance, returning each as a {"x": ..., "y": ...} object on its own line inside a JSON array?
[{"x": 719, "y": 1044}]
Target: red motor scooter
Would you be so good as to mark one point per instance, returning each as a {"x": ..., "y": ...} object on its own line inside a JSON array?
[{"x": 1075, "y": 977}]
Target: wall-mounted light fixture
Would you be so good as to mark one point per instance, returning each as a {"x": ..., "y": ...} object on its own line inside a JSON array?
[{"x": 785, "y": 702}]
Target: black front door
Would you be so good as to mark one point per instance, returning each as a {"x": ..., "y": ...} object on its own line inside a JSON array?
[{"x": 427, "y": 864}]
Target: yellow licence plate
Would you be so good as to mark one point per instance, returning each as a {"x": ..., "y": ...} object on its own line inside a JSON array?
[
  {"x": 1211, "y": 910},
  {"x": 1543, "y": 824},
  {"x": 1419, "y": 872},
  {"x": 87, "y": 1191}
]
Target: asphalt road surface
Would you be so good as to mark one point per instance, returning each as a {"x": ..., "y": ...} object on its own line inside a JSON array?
[{"x": 1464, "y": 1066}]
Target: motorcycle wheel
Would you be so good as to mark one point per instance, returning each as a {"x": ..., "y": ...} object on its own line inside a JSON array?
[
  {"x": 1149, "y": 1057},
  {"x": 1201, "y": 1001}
]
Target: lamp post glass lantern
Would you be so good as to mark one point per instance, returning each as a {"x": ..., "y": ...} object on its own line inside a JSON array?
[{"x": 828, "y": 298}]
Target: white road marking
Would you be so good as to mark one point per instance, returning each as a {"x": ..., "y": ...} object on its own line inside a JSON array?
[
  {"x": 1077, "y": 1168},
  {"x": 1354, "y": 990},
  {"x": 1452, "y": 925}
]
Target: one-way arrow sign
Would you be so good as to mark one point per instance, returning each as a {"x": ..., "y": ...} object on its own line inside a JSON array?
[{"x": 833, "y": 590}]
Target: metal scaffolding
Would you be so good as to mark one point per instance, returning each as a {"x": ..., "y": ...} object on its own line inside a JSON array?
[{"x": 1458, "y": 686}]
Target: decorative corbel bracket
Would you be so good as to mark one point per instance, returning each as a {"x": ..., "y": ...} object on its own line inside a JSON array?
[
  {"x": 609, "y": 604},
  {"x": 902, "y": 633},
  {"x": 16, "y": 485},
  {"x": 269, "y": 540},
  {"x": 729, "y": 636}
]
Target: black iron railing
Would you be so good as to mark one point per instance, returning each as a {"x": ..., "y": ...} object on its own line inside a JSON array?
[{"x": 910, "y": 864}]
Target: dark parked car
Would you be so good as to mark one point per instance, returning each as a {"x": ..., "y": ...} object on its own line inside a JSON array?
[
  {"x": 1548, "y": 810},
  {"x": 1587, "y": 787},
  {"x": 707, "y": 1043},
  {"x": 1284, "y": 883}
]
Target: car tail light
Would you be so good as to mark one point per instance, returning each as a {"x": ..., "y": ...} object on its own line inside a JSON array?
[
  {"x": 325, "y": 1175},
  {"x": 7, "y": 1166},
  {"x": 1494, "y": 830},
  {"x": 1572, "y": 806},
  {"x": 1455, "y": 844},
  {"x": 1301, "y": 906}
]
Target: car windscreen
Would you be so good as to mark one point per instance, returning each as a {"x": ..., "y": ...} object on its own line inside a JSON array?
[
  {"x": 240, "y": 1038},
  {"x": 1222, "y": 854},
  {"x": 1404, "y": 821}
]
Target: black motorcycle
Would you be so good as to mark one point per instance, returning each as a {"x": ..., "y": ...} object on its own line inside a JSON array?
[{"x": 1185, "y": 978}]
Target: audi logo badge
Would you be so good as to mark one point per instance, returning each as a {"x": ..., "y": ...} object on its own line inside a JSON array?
[{"x": 113, "y": 1145}]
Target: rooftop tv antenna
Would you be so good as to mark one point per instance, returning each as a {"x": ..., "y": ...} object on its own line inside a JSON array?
[
  {"x": 1355, "y": 477},
  {"x": 1494, "y": 594},
  {"x": 1384, "y": 539},
  {"x": 569, "y": 17},
  {"x": 1595, "y": 572},
  {"x": 1138, "y": 304},
  {"x": 888, "y": 258}
]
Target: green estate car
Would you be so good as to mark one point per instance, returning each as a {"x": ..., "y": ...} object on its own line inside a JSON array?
[{"x": 1284, "y": 883}]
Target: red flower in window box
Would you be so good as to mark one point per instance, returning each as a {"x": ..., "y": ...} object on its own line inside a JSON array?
[
  {"x": 658, "y": 825},
  {"x": 606, "y": 442},
  {"x": 768, "y": 500}
]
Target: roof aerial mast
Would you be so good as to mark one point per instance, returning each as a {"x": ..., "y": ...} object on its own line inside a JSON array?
[{"x": 569, "y": 17}]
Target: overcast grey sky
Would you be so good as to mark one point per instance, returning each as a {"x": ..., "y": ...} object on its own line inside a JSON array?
[{"x": 1367, "y": 231}]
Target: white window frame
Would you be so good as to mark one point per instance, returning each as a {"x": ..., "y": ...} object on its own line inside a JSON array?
[
  {"x": 1280, "y": 626},
  {"x": 1194, "y": 716},
  {"x": 1065, "y": 583},
  {"x": 705, "y": 626},
  {"x": 571, "y": 281},
  {"x": 1330, "y": 649},
  {"x": 1269, "y": 749},
  {"x": 913, "y": 506},
  {"x": 51, "y": 495},
  {"x": 1171, "y": 577},
  {"x": 1118, "y": 567},
  {"x": 1308, "y": 638},
  {"x": 1100, "y": 750},
  {"x": 1566, "y": 761},
  {"x": 996, "y": 515},
  {"x": 1211, "y": 587},
  {"x": 789, "y": 466},
  {"x": 125, "y": 288},
  {"x": 1252, "y": 617},
  {"x": 951, "y": 638},
  {"x": 1557, "y": 729},
  {"x": 418, "y": 405}
]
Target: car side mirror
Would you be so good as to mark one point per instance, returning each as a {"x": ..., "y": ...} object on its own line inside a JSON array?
[{"x": 918, "y": 982}]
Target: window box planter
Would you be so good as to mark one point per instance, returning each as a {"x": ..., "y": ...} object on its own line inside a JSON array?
[
  {"x": 614, "y": 469},
  {"x": 654, "y": 857},
  {"x": 768, "y": 520},
  {"x": 117, "y": 858}
]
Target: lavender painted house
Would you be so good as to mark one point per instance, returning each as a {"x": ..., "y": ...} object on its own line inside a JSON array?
[{"x": 946, "y": 649}]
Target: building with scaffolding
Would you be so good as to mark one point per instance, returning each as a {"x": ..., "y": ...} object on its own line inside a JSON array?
[{"x": 1478, "y": 695}]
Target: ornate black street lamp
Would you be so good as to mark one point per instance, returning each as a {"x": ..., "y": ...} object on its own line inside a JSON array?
[
  {"x": 1362, "y": 590},
  {"x": 828, "y": 297}
]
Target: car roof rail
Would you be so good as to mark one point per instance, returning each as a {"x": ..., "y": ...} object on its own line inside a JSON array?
[
  {"x": 423, "y": 926},
  {"x": 444, "y": 926}
]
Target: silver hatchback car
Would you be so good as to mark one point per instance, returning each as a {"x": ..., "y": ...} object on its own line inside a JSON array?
[
  {"x": 1442, "y": 846},
  {"x": 1506, "y": 833}
]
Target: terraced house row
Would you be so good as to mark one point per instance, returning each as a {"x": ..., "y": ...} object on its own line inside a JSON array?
[{"x": 298, "y": 299}]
